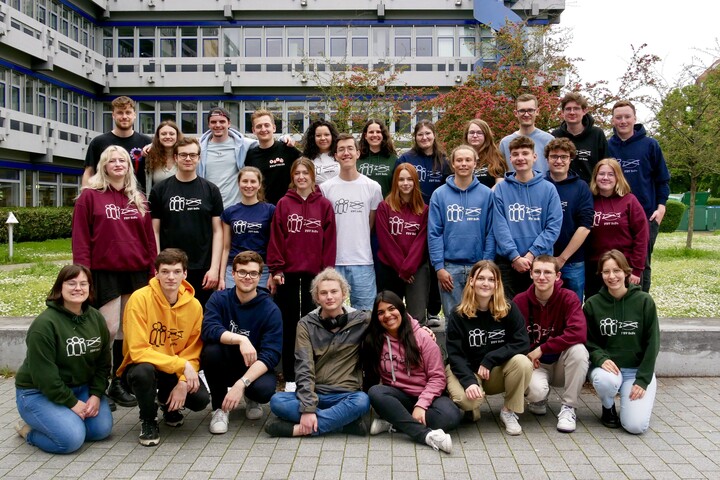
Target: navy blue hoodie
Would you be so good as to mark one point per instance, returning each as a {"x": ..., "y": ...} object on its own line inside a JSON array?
[
  {"x": 578, "y": 211},
  {"x": 430, "y": 179},
  {"x": 259, "y": 320},
  {"x": 644, "y": 167}
]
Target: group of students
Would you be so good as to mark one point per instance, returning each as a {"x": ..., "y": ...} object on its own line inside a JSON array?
[{"x": 441, "y": 221}]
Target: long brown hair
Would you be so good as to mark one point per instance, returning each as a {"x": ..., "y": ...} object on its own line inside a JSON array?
[
  {"x": 394, "y": 200},
  {"x": 498, "y": 307},
  {"x": 387, "y": 147},
  {"x": 488, "y": 153},
  {"x": 438, "y": 154},
  {"x": 375, "y": 338},
  {"x": 156, "y": 157}
]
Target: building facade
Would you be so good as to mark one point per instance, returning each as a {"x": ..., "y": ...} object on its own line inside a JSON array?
[{"x": 62, "y": 62}]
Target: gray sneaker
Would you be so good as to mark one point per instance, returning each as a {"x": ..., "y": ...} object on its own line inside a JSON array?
[
  {"x": 439, "y": 440},
  {"x": 219, "y": 422},
  {"x": 510, "y": 420},
  {"x": 379, "y": 425},
  {"x": 538, "y": 408},
  {"x": 433, "y": 321},
  {"x": 253, "y": 410}
]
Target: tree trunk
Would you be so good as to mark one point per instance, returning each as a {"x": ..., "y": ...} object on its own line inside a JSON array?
[{"x": 691, "y": 213}]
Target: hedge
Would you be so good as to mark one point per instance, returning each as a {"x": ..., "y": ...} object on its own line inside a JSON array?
[
  {"x": 674, "y": 210},
  {"x": 37, "y": 223},
  {"x": 713, "y": 202}
]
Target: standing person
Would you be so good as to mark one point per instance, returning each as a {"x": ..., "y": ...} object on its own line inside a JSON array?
[
  {"x": 123, "y": 135},
  {"x": 619, "y": 223},
  {"x": 272, "y": 157},
  {"x": 624, "y": 341},
  {"x": 491, "y": 166},
  {"x": 162, "y": 347},
  {"x": 460, "y": 227},
  {"x": 319, "y": 143},
  {"x": 527, "y": 219},
  {"x": 377, "y": 154},
  {"x": 246, "y": 226},
  {"x": 327, "y": 367},
  {"x": 60, "y": 385},
  {"x": 643, "y": 165},
  {"x": 242, "y": 332},
  {"x": 401, "y": 227},
  {"x": 409, "y": 366},
  {"x": 112, "y": 235},
  {"x": 577, "y": 210},
  {"x": 557, "y": 330},
  {"x": 160, "y": 159},
  {"x": 186, "y": 215},
  {"x": 355, "y": 199},
  {"x": 526, "y": 112},
  {"x": 578, "y": 126},
  {"x": 302, "y": 244},
  {"x": 486, "y": 345}
]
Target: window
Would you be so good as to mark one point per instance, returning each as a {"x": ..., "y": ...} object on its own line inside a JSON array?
[
  {"x": 15, "y": 91},
  {"x": 296, "y": 42},
  {"x": 360, "y": 42},
  {"x": 188, "y": 42},
  {"x": 210, "y": 42},
  {"x": 423, "y": 42},
  {"x": 381, "y": 42},
  {"x": 402, "y": 42},
  {"x": 146, "y": 42},
  {"x": 9, "y": 187},
  {"x": 168, "y": 42},
  {"x": 338, "y": 41},
  {"x": 146, "y": 117},
  {"x": 446, "y": 41},
  {"x": 273, "y": 42},
  {"x": 189, "y": 123},
  {"x": 107, "y": 42},
  {"x": 231, "y": 42},
  {"x": 253, "y": 42},
  {"x": 47, "y": 189},
  {"x": 126, "y": 42},
  {"x": 70, "y": 189},
  {"x": 167, "y": 111},
  {"x": 316, "y": 42}
]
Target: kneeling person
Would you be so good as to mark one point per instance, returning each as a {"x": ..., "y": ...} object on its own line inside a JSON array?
[
  {"x": 162, "y": 346},
  {"x": 242, "y": 331}
]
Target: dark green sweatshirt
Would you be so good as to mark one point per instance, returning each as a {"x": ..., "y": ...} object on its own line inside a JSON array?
[
  {"x": 65, "y": 350},
  {"x": 625, "y": 331}
]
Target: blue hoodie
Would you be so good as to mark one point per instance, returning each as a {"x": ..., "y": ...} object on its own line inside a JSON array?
[
  {"x": 460, "y": 224},
  {"x": 644, "y": 167},
  {"x": 430, "y": 179},
  {"x": 578, "y": 211},
  {"x": 259, "y": 320},
  {"x": 528, "y": 216}
]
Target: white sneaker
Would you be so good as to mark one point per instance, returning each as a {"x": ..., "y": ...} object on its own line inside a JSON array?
[
  {"x": 510, "y": 419},
  {"x": 253, "y": 410},
  {"x": 219, "y": 422},
  {"x": 566, "y": 419},
  {"x": 290, "y": 386},
  {"x": 439, "y": 440},
  {"x": 538, "y": 408},
  {"x": 379, "y": 425}
]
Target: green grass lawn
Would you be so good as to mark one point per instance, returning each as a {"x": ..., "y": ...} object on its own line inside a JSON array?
[{"x": 685, "y": 283}]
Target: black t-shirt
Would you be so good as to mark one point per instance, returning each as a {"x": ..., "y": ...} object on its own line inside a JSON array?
[
  {"x": 274, "y": 163},
  {"x": 133, "y": 144},
  {"x": 185, "y": 211}
]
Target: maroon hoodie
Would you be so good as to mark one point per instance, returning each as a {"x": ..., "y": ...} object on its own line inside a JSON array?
[
  {"x": 557, "y": 325},
  {"x": 302, "y": 235},
  {"x": 619, "y": 223},
  {"x": 402, "y": 238}
]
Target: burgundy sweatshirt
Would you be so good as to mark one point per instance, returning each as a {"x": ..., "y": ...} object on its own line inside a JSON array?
[{"x": 402, "y": 238}]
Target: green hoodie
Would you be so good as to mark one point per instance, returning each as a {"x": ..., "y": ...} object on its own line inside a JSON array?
[
  {"x": 625, "y": 331},
  {"x": 65, "y": 350}
]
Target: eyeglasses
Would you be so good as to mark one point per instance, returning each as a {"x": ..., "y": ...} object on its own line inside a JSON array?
[
  {"x": 476, "y": 133},
  {"x": 73, "y": 284},
  {"x": 244, "y": 273},
  {"x": 350, "y": 149},
  {"x": 563, "y": 158},
  {"x": 526, "y": 111},
  {"x": 191, "y": 156},
  {"x": 543, "y": 273},
  {"x": 573, "y": 109},
  {"x": 614, "y": 271}
]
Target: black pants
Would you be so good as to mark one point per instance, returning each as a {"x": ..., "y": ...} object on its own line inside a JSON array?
[
  {"x": 295, "y": 301},
  {"x": 195, "y": 278},
  {"x": 223, "y": 366},
  {"x": 143, "y": 380},
  {"x": 514, "y": 282},
  {"x": 396, "y": 406},
  {"x": 647, "y": 273},
  {"x": 434, "y": 302}
]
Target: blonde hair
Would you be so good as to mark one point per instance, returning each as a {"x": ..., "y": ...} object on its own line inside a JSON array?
[
  {"x": 499, "y": 307},
  {"x": 622, "y": 187},
  {"x": 101, "y": 182},
  {"x": 329, "y": 275}
]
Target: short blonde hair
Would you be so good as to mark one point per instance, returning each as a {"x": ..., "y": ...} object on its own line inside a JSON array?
[
  {"x": 622, "y": 187},
  {"x": 329, "y": 275},
  {"x": 499, "y": 307}
]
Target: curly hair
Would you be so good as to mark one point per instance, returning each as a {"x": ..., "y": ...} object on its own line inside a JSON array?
[{"x": 310, "y": 148}]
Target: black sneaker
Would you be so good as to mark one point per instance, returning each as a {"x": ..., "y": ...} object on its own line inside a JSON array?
[
  {"x": 122, "y": 397},
  {"x": 610, "y": 417},
  {"x": 173, "y": 419},
  {"x": 111, "y": 404},
  {"x": 149, "y": 433},
  {"x": 356, "y": 427},
  {"x": 280, "y": 428}
]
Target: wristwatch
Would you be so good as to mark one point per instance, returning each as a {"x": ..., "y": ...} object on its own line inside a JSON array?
[{"x": 245, "y": 381}]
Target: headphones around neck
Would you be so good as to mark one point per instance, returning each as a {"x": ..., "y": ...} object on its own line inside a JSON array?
[{"x": 332, "y": 323}]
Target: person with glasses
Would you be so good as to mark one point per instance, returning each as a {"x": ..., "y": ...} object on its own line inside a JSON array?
[
  {"x": 60, "y": 386},
  {"x": 579, "y": 127},
  {"x": 491, "y": 166},
  {"x": 186, "y": 212},
  {"x": 577, "y": 208},
  {"x": 242, "y": 333},
  {"x": 526, "y": 112}
]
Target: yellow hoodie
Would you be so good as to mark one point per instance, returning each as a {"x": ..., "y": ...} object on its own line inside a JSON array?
[{"x": 162, "y": 335}]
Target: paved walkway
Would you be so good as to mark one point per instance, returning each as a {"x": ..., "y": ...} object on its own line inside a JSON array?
[{"x": 684, "y": 442}]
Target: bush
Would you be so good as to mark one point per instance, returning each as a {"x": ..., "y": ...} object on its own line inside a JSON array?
[
  {"x": 37, "y": 223},
  {"x": 713, "y": 202},
  {"x": 673, "y": 214}
]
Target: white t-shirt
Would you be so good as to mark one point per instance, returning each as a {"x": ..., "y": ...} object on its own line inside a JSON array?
[
  {"x": 352, "y": 203},
  {"x": 221, "y": 169},
  {"x": 325, "y": 168}
]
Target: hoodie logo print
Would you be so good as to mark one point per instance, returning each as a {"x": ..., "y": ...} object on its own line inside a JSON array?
[
  {"x": 112, "y": 212},
  {"x": 473, "y": 213},
  {"x": 78, "y": 346},
  {"x": 630, "y": 164},
  {"x": 517, "y": 212},
  {"x": 609, "y": 218},
  {"x": 455, "y": 213},
  {"x": 369, "y": 169},
  {"x": 390, "y": 363},
  {"x": 398, "y": 226},
  {"x": 479, "y": 337},
  {"x": 295, "y": 223},
  {"x": 609, "y": 327},
  {"x": 181, "y": 204},
  {"x": 159, "y": 335}
]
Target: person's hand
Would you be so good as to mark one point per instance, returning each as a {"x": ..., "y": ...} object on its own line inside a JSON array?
[
  {"x": 658, "y": 214},
  {"x": 474, "y": 392},
  {"x": 221, "y": 283},
  {"x": 521, "y": 264},
  {"x": 534, "y": 357},
  {"x": 270, "y": 285},
  {"x": 279, "y": 279},
  {"x": 483, "y": 373},
  {"x": 146, "y": 149},
  {"x": 445, "y": 280},
  {"x": 637, "y": 392},
  {"x": 289, "y": 140},
  {"x": 92, "y": 406},
  {"x": 429, "y": 331},
  {"x": 561, "y": 262},
  {"x": 210, "y": 280},
  {"x": 308, "y": 423},
  {"x": 419, "y": 415},
  {"x": 233, "y": 397},
  {"x": 634, "y": 279},
  {"x": 79, "y": 409},
  {"x": 191, "y": 378},
  {"x": 410, "y": 280},
  {"x": 176, "y": 399},
  {"x": 247, "y": 351},
  {"x": 609, "y": 366}
]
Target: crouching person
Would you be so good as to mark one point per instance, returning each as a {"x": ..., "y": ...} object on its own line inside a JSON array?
[
  {"x": 242, "y": 331},
  {"x": 327, "y": 367},
  {"x": 162, "y": 347}
]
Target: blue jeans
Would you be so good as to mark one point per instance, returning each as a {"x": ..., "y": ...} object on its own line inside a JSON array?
[
  {"x": 573, "y": 277},
  {"x": 57, "y": 429},
  {"x": 450, "y": 300},
  {"x": 334, "y": 410},
  {"x": 230, "y": 280},
  {"x": 634, "y": 414},
  {"x": 362, "y": 284}
]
